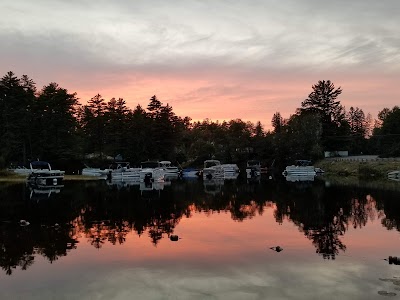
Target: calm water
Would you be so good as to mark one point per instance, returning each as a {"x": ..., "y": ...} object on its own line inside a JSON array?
[{"x": 92, "y": 240}]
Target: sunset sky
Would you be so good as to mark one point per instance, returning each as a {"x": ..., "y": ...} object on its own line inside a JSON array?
[{"x": 208, "y": 59}]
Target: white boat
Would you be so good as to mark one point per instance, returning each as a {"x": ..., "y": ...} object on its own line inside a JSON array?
[
  {"x": 20, "y": 170},
  {"x": 42, "y": 175},
  {"x": 123, "y": 170},
  {"x": 301, "y": 168},
  {"x": 151, "y": 172},
  {"x": 394, "y": 175},
  {"x": 94, "y": 171},
  {"x": 213, "y": 170},
  {"x": 253, "y": 169},
  {"x": 169, "y": 168},
  {"x": 230, "y": 170},
  {"x": 190, "y": 173}
]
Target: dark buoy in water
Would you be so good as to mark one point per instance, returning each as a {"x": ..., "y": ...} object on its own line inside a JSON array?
[
  {"x": 393, "y": 260},
  {"x": 277, "y": 248},
  {"x": 174, "y": 237}
]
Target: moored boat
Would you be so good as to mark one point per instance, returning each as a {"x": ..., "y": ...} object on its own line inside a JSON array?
[
  {"x": 300, "y": 168},
  {"x": 230, "y": 170},
  {"x": 88, "y": 171},
  {"x": 253, "y": 169},
  {"x": 43, "y": 175},
  {"x": 171, "y": 171},
  {"x": 394, "y": 175},
  {"x": 123, "y": 170},
  {"x": 20, "y": 170},
  {"x": 190, "y": 173},
  {"x": 151, "y": 172},
  {"x": 212, "y": 169}
]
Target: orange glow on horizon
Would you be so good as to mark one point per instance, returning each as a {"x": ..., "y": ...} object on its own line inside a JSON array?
[{"x": 224, "y": 97}]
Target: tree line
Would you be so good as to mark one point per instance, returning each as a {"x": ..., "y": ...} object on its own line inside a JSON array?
[{"x": 52, "y": 124}]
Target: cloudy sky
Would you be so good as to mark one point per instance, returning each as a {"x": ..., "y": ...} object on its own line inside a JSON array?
[{"x": 219, "y": 59}]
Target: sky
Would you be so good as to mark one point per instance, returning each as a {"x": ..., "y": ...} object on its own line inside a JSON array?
[{"x": 219, "y": 59}]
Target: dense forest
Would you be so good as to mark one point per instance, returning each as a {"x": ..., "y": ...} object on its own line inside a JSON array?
[{"x": 51, "y": 124}]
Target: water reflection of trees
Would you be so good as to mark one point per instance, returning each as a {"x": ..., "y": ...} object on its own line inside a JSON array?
[
  {"x": 49, "y": 233},
  {"x": 101, "y": 214},
  {"x": 324, "y": 214},
  {"x": 388, "y": 202}
]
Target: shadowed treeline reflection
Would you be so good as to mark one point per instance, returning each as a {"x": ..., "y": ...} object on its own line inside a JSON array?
[
  {"x": 323, "y": 215},
  {"x": 101, "y": 213}
]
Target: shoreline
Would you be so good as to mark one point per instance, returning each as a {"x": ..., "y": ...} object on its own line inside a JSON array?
[
  {"x": 22, "y": 178},
  {"x": 362, "y": 168}
]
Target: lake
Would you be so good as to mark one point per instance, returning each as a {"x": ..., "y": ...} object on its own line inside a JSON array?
[{"x": 99, "y": 240}]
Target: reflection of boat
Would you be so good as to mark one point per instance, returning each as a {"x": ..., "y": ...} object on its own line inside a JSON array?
[
  {"x": 213, "y": 186},
  {"x": 120, "y": 183},
  {"x": 301, "y": 168},
  {"x": 153, "y": 186},
  {"x": 394, "y": 175},
  {"x": 212, "y": 169},
  {"x": 42, "y": 175},
  {"x": 253, "y": 169},
  {"x": 131, "y": 182},
  {"x": 43, "y": 192},
  {"x": 150, "y": 190},
  {"x": 151, "y": 172},
  {"x": 231, "y": 176},
  {"x": 297, "y": 178}
]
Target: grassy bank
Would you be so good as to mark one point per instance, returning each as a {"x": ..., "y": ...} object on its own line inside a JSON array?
[{"x": 374, "y": 169}]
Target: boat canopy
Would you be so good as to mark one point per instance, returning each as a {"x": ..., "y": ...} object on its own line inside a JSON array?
[
  {"x": 211, "y": 163},
  {"x": 40, "y": 164},
  {"x": 253, "y": 162},
  {"x": 303, "y": 162},
  {"x": 150, "y": 164}
]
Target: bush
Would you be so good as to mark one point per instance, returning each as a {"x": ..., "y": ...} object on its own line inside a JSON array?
[
  {"x": 366, "y": 171},
  {"x": 2, "y": 162}
]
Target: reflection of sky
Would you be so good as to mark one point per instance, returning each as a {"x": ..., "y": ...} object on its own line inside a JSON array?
[{"x": 216, "y": 258}]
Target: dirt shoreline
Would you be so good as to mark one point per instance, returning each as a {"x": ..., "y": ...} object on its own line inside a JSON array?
[{"x": 20, "y": 178}]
